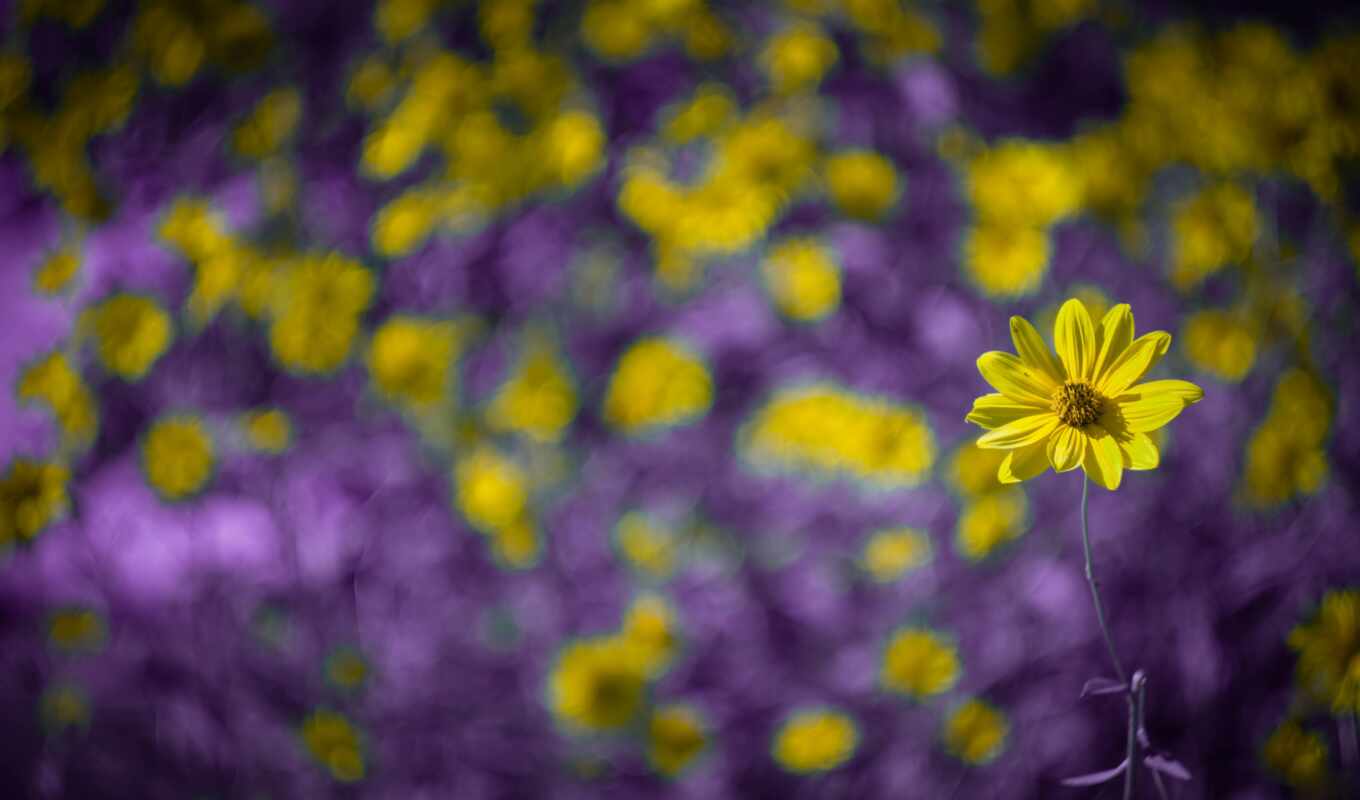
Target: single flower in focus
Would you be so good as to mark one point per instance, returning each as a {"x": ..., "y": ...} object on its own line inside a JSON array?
[{"x": 1086, "y": 408}]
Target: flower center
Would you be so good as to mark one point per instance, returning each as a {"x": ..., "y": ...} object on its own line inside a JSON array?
[{"x": 1077, "y": 404}]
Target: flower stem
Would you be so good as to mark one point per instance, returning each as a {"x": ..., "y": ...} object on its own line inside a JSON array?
[
  {"x": 1135, "y": 692},
  {"x": 1095, "y": 586}
]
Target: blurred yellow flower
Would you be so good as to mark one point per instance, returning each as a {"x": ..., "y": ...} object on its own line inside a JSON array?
[
  {"x": 331, "y": 739},
  {"x": 975, "y": 733},
  {"x": 490, "y": 489},
  {"x": 863, "y": 184},
  {"x": 650, "y": 626},
  {"x": 797, "y": 57},
  {"x": 829, "y": 431},
  {"x": 990, "y": 521},
  {"x": 815, "y": 740},
  {"x": 658, "y": 383},
  {"x": 56, "y": 272},
  {"x": 539, "y": 399},
  {"x": 1329, "y": 652},
  {"x": 410, "y": 359},
  {"x": 920, "y": 663},
  {"x": 32, "y": 496},
  {"x": 268, "y": 430},
  {"x": 1005, "y": 260},
  {"x": 676, "y": 737},
  {"x": 1297, "y": 756},
  {"x": 316, "y": 309},
  {"x": 1220, "y": 343},
  {"x": 76, "y": 630},
  {"x": 890, "y": 554},
  {"x": 803, "y": 279},
  {"x": 131, "y": 332},
  {"x": 269, "y": 125},
  {"x": 598, "y": 683},
  {"x": 52, "y": 380},
  {"x": 178, "y": 456},
  {"x": 1214, "y": 228},
  {"x": 1085, "y": 408}
]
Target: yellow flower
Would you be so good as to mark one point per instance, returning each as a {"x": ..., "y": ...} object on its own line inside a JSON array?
[
  {"x": 676, "y": 736},
  {"x": 803, "y": 279},
  {"x": 177, "y": 454},
  {"x": 597, "y": 684},
  {"x": 76, "y": 630},
  {"x": 269, "y": 125},
  {"x": 55, "y": 382},
  {"x": 1329, "y": 652},
  {"x": 1005, "y": 260},
  {"x": 797, "y": 57},
  {"x": 334, "y": 742},
  {"x": 920, "y": 663},
  {"x": 815, "y": 741},
  {"x": 64, "y": 705},
  {"x": 490, "y": 489},
  {"x": 55, "y": 273},
  {"x": 32, "y": 495},
  {"x": 1086, "y": 408},
  {"x": 975, "y": 732},
  {"x": 890, "y": 554},
  {"x": 658, "y": 383},
  {"x": 538, "y": 400},
  {"x": 826, "y": 431},
  {"x": 1220, "y": 343},
  {"x": 268, "y": 430},
  {"x": 411, "y": 358},
  {"x": 990, "y": 521},
  {"x": 863, "y": 183},
  {"x": 130, "y": 333},
  {"x": 1297, "y": 756},
  {"x": 650, "y": 626}
]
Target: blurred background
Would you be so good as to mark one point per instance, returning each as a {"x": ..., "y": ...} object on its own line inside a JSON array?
[{"x": 508, "y": 399}]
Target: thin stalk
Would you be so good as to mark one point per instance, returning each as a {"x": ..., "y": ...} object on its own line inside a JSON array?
[{"x": 1095, "y": 586}]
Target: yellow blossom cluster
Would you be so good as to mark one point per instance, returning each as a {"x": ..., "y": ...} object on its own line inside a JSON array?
[
  {"x": 759, "y": 162},
  {"x": 1019, "y": 189},
  {"x": 503, "y": 130},
  {"x": 624, "y": 30},
  {"x": 828, "y": 431}
]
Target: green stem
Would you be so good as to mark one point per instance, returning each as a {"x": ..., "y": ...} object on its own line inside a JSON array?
[{"x": 1095, "y": 586}]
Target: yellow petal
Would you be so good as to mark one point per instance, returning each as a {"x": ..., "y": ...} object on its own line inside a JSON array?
[
  {"x": 1066, "y": 449},
  {"x": 1134, "y": 362},
  {"x": 1032, "y": 350},
  {"x": 1140, "y": 452},
  {"x": 994, "y": 410},
  {"x": 1022, "y": 432},
  {"x": 1010, "y": 376},
  {"x": 1185, "y": 390},
  {"x": 1074, "y": 335},
  {"x": 1104, "y": 462},
  {"x": 1116, "y": 333},
  {"x": 1024, "y": 463},
  {"x": 1148, "y": 406}
]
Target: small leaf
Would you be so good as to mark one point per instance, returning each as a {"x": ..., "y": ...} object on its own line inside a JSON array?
[
  {"x": 1098, "y": 686},
  {"x": 1167, "y": 766},
  {"x": 1143, "y": 740},
  {"x": 1095, "y": 778}
]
